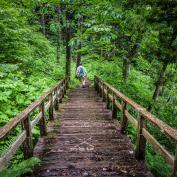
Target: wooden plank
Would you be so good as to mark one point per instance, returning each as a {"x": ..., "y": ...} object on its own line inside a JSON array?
[
  {"x": 12, "y": 149},
  {"x": 42, "y": 122},
  {"x": 118, "y": 105},
  {"x": 47, "y": 105},
  {"x": 56, "y": 102},
  {"x": 110, "y": 97},
  {"x": 54, "y": 97},
  {"x": 166, "y": 129},
  {"x": 5, "y": 130},
  {"x": 107, "y": 98},
  {"x": 103, "y": 93},
  {"x": 28, "y": 143},
  {"x": 36, "y": 120},
  {"x": 124, "y": 119},
  {"x": 158, "y": 147},
  {"x": 51, "y": 108},
  {"x": 114, "y": 109},
  {"x": 131, "y": 119},
  {"x": 141, "y": 140}
]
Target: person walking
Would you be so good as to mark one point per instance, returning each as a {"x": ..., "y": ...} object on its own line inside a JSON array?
[{"x": 81, "y": 73}]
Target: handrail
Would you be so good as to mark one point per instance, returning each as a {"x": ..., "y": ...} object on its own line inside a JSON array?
[
  {"x": 47, "y": 102},
  {"x": 110, "y": 94}
]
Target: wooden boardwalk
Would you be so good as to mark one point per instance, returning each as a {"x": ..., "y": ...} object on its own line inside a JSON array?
[{"x": 85, "y": 141}]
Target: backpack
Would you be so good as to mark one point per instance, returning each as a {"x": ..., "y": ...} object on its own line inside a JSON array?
[{"x": 81, "y": 72}]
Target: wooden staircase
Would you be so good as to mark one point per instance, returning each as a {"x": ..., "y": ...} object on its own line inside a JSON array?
[{"x": 87, "y": 142}]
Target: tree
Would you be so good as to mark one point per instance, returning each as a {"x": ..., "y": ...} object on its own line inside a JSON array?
[{"x": 163, "y": 22}]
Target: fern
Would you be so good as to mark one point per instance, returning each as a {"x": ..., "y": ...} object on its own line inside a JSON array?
[
  {"x": 6, "y": 144},
  {"x": 21, "y": 169}
]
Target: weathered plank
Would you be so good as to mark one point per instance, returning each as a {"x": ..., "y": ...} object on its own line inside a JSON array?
[
  {"x": 131, "y": 119},
  {"x": 28, "y": 143},
  {"x": 158, "y": 147},
  {"x": 42, "y": 122},
  {"x": 12, "y": 149},
  {"x": 124, "y": 118},
  {"x": 36, "y": 120}
]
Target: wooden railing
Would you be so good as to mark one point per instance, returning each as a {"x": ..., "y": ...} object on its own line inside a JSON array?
[
  {"x": 44, "y": 104},
  {"x": 119, "y": 101}
]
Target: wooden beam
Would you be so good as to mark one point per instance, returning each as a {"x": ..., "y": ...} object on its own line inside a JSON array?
[
  {"x": 12, "y": 149},
  {"x": 51, "y": 111},
  {"x": 36, "y": 120},
  {"x": 42, "y": 122},
  {"x": 158, "y": 147},
  {"x": 131, "y": 119},
  {"x": 141, "y": 141},
  {"x": 28, "y": 143},
  {"x": 124, "y": 119}
]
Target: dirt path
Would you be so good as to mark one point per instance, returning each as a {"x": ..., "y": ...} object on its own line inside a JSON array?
[{"x": 86, "y": 142}]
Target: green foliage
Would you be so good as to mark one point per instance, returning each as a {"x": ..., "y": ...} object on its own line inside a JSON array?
[
  {"x": 157, "y": 164},
  {"x": 22, "y": 168}
]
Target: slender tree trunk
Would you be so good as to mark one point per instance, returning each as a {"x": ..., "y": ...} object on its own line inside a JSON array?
[
  {"x": 68, "y": 53},
  {"x": 80, "y": 20},
  {"x": 126, "y": 69},
  {"x": 159, "y": 84},
  {"x": 127, "y": 62},
  {"x": 58, "y": 35},
  {"x": 43, "y": 20},
  {"x": 58, "y": 52},
  {"x": 78, "y": 56}
]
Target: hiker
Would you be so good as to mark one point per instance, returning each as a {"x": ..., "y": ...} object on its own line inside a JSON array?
[{"x": 81, "y": 73}]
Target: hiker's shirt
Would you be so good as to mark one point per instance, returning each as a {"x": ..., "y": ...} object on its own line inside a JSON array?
[{"x": 78, "y": 71}]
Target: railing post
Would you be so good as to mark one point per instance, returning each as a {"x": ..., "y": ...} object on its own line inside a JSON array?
[
  {"x": 65, "y": 86},
  {"x": 124, "y": 118},
  {"x": 63, "y": 91},
  {"x": 42, "y": 122},
  {"x": 98, "y": 86},
  {"x": 100, "y": 89},
  {"x": 28, "y": 143},
  {"x": 60, "y": 95},
  {"x": 114, "y": 110},
  {"x": 67, "y": 79},
  {"x": 51, "y": 112},
  {"x": 57, "y": 100},
  {"x": 175, "y": 163},
  {"x": 103, "y": 94},
  {"x": 107, "y": 99},
  {"x": 141, "y": 141},
  {"x": 95, "y": 84}
]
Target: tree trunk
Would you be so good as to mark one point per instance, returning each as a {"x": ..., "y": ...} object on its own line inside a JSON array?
[
  {"x": 127, "y": 62},
  {"x": 159, "y": 84},
  {"x": 78, "y": 56},
  {"x": 126, "y": 69},
  {"x": 80, "y": 20},
  {"x": 43, "y": 20},
  {"x": 58, "y": 35},
  {"x": 68, "y": 53}
]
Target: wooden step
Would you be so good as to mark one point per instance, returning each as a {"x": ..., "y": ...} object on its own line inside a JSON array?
[{"x": 87, "y": 142}]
